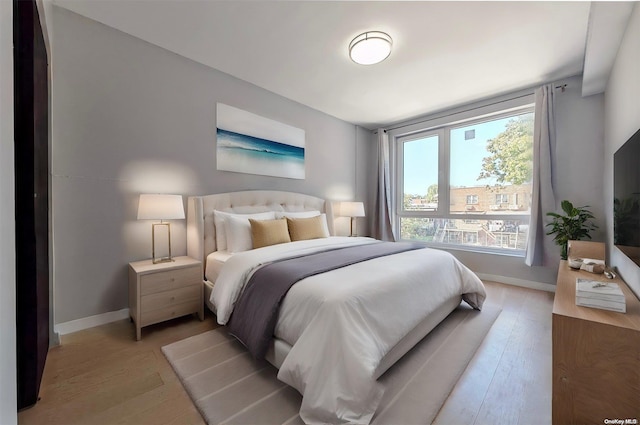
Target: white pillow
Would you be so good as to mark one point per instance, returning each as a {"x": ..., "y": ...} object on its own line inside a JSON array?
[
  {"x": 325, "y": 226},
  {"x": 219, "y": 219},
  {"x": 297, "y": 214}
]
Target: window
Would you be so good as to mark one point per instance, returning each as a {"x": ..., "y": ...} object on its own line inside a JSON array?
[
  {"x": 502, "y": 198},
  {"x": 467, "y": 184},
  {"x": 421, "y": 173}
]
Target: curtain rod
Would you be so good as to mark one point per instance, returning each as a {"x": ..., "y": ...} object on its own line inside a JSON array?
[{"x": 562, "y": 87}]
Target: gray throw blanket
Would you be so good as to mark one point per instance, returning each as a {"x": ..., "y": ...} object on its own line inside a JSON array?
[{"x": 255, "y": 314}]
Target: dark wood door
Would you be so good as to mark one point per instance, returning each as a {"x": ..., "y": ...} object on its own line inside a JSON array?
[{"x": 31, "y": 109}]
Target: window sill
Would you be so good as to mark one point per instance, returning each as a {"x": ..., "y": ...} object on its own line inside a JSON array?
[{"x": 470, "y": 248}]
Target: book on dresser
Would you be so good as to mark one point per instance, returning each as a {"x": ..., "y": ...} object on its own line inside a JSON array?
[{"x": 597, "y": 294}]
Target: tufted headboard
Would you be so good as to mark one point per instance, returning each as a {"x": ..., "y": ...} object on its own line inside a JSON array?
[{"x": 201, "y": 233}]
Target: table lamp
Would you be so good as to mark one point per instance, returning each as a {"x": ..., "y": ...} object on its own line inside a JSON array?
[
  {"x": 353, "y": 210},
  {"x": 160, "y": 207}
]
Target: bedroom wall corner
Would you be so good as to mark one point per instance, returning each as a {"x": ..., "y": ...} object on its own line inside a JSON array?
[
  {"x": 622, "y": 119},
  {"x": 365, "y": 168},
  {"x": 580, "y": 151},
  {"x": 131, "y": 118}
]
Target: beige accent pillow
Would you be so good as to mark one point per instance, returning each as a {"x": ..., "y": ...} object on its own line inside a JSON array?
[
  {"x": 269, "y": 232},
  {"x": 301, "y": 229}
]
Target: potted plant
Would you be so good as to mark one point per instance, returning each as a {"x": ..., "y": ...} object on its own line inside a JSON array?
[{"x": 575, "y": 225}]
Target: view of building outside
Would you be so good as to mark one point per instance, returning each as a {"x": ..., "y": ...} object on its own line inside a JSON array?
[{"x": 489, "y": 185}]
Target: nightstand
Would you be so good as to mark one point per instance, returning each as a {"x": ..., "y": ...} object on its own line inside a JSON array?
[{"x": 163, "y": 291}]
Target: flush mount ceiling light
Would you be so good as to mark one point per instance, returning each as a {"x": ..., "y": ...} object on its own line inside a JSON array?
[{"x": 370, "y": 47}]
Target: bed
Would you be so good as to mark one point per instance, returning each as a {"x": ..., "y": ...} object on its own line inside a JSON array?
[{"x": 338, "y": 331}]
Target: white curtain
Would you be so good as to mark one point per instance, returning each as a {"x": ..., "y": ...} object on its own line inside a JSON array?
[
  {"x": 544, "y": 169},
  {"x": 381, "y": 227}
]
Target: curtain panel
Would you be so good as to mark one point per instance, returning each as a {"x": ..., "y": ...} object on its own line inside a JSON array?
[
  {"x": 539, "y": 249},
  {"x": 381, "y": 222}
]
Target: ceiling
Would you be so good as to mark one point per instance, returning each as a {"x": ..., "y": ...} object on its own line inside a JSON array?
[{"x": 445, "y": 53}]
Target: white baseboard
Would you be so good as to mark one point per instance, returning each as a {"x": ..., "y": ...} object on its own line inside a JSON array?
[
  {"x": 90, "y": 322},
  {"x": 518, "y": 282}
]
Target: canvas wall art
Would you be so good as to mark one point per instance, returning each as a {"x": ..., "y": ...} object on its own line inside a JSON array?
[{"x": 249, "y": 143}]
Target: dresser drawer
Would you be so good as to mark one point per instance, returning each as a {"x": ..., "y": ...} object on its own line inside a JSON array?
[
  {"x": 170, "y": 279},
  {"x": 177, "y": 310}
]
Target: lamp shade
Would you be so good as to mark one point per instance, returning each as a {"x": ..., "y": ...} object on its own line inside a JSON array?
[
  {"x": 370, "y": 47},
  {"x": 160, "y": 207},
  {"x": 352, "y": 209}
]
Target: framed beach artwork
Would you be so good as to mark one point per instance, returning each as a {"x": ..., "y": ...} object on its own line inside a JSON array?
[{"x": 249, "y": 143}]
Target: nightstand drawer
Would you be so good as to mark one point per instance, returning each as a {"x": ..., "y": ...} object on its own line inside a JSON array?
[
  {"x": 170, "y": 279},
  {"x": 170, "y": 312},
  {"x": 168, "y": 298}
]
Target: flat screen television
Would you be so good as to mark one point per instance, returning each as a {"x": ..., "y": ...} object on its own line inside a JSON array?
[{"x": 626, "y": 198}]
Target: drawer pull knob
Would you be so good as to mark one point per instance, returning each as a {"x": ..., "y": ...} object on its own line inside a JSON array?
[{"x": 173, "y": 298}]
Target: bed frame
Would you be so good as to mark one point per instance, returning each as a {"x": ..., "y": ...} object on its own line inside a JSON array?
[
  {"x": 201, "y": 241},
  {"x": 201, "y": 233}
]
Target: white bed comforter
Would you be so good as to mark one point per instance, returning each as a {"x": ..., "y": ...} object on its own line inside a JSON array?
[{"x": 343, "y": 322}]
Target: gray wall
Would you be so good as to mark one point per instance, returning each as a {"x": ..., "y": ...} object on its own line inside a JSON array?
[
  {"x": 130, "y": 118},
  {"x": 364, "y": 170},
  {"x": 580, "y": 149},
  {"x": 8, "y": 397},
  {"x": 622, "y": 119}
]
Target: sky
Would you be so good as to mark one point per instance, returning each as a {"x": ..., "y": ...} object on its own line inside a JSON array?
[{"x": 421, "y": 157}]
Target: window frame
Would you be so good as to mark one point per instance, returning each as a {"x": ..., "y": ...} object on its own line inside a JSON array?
[{"x": 444, "y": 157}]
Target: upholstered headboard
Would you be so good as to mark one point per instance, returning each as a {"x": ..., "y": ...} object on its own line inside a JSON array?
[{"x": 201, "y": 232}]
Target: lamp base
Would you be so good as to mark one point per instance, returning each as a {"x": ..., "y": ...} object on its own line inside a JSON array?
[
  {"x": 167, "y": 258},
  {"x": 162, "y": 260}
]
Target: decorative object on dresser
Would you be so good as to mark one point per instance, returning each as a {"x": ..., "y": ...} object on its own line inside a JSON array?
[
  {"x": 596, "y": 353},
  {"x": 587, "y": 256},
  {"x": 352, "y": 210},
  {"x": 575, "y": 225},
  {"x": 160, "y": 207},
  {"x": 597, "y": 294},
  {"x": 585, "y": 250},
  {"x": 159, "y": 292}
]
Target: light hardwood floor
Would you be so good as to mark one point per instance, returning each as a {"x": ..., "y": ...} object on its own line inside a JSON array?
[{"x": 103, "y": 376}]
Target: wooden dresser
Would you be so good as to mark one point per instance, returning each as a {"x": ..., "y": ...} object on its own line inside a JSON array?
[
  {"x": 596, "y": 356},
  {"x": 163, "y": 291}
]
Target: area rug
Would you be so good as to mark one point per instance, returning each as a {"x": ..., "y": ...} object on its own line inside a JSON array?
[{"x": 229, "y": 387}]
